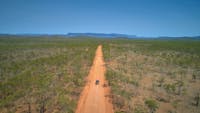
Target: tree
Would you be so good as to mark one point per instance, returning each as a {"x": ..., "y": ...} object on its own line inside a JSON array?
[
  {"x": 161, "y": 81},
  {"x": 170, "y": 88},
  {"x": 194, "y": 77},
  {"x": 42, "y": 105},
  {"x": 152, "y": 105},
  {"x": 29, "y": 107},
  {"x": 197, "y": 99},
  {"x": 179, "y": 84}
]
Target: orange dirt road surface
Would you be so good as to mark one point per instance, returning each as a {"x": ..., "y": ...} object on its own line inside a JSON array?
[{"x": 95, "y": 98}]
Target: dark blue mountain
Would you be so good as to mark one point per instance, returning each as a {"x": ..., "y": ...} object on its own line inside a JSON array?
[{"x": 101, "y": 35}]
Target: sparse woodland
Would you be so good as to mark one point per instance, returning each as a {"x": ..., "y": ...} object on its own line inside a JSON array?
[
  {"x": 154, "y": 76},
  {"x": 45, "y": 75}
]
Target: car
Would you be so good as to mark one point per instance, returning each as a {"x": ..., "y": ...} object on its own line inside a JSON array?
[{"x": 97, "y": 82}]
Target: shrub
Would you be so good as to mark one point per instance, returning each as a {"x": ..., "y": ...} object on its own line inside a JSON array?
[{"x": 152, "y": 105}]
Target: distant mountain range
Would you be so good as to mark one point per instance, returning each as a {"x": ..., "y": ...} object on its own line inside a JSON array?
[
  {"x": 101, "y": 35},
  {"x": 115, "y": 35}
]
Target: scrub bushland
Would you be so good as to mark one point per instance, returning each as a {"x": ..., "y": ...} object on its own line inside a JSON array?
[
  {"x": 40, "y": 74},
  {"x": 160, "y": 76}
]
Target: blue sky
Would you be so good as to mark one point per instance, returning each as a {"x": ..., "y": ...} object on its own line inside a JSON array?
[{"x": 135, "y": 17}]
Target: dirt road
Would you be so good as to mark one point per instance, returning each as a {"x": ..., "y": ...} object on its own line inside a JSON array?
[{"x": 94, "y": 98}]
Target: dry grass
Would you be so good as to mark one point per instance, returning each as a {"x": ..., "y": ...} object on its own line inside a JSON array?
[{"x": 138, "y": 72}]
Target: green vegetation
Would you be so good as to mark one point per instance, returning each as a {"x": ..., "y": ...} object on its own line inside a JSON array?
[
  {"x": 167, "y": 71},
  {"x": 43, "y": 74},
  {"x": 152, "y": 105}
]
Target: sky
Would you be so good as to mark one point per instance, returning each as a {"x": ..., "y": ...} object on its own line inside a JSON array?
[{"x": 133, "y": 17}]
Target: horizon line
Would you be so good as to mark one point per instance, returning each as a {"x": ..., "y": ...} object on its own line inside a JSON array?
[{"x": 96, "y": 33}]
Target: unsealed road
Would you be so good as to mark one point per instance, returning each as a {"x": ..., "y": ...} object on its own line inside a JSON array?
[{"x": 94, "y": 98}]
